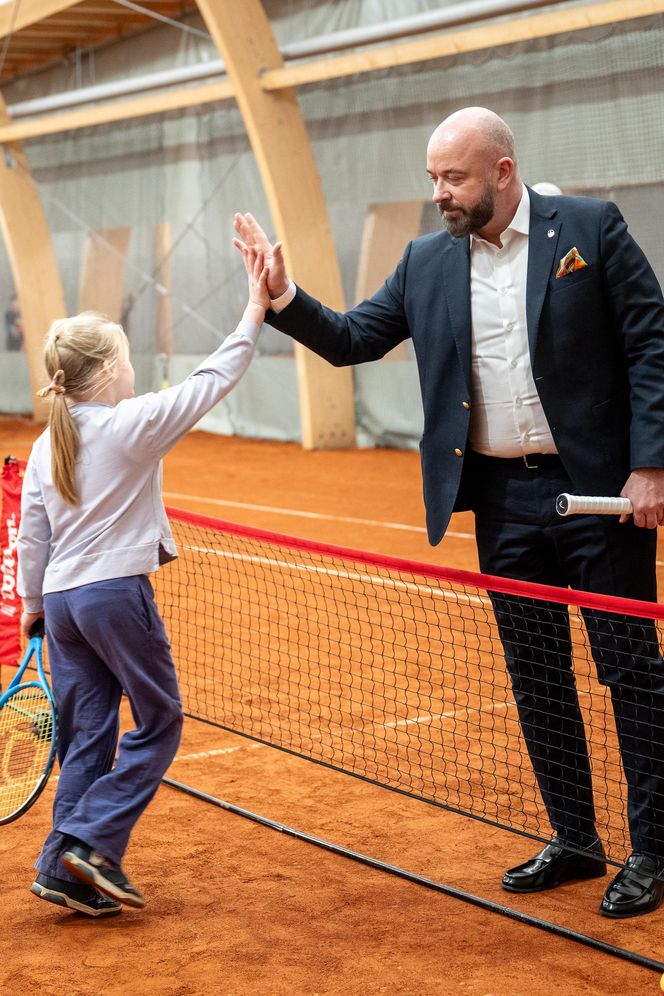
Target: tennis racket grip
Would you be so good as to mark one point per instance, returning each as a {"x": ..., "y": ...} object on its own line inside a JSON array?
[
  {"x": 589, "y": 505},
  {"x": 37, "y": 628}
]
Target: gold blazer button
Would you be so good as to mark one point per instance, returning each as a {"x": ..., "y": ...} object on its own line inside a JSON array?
[{"x": 458, "y": 451}]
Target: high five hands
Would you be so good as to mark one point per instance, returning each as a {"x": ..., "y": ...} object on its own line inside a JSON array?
[{"x": 252, "y": 237}]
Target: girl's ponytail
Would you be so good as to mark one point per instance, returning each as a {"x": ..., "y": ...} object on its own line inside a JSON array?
[
  {"x": 79, "y": 354},
  {"x": 64, "y": 439}
]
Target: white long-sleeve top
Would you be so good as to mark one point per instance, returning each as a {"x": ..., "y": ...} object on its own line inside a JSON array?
[{"x": 120, "y": 527}]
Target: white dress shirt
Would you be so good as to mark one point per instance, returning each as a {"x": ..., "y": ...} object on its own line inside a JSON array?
[
  {"x": 507, "y": 418},
  {"x": 120, "y": 527}
]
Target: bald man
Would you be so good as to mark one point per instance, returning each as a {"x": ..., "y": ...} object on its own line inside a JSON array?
[{"x": 538, "y": 328}]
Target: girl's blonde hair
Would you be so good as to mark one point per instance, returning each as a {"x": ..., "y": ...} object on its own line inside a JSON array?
[{"x": 75, "y": 352}]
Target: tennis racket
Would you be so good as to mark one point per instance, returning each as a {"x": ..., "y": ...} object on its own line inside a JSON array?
[
  {"x": 28, "y": 734},
  {"x": 586, "y": 504}
]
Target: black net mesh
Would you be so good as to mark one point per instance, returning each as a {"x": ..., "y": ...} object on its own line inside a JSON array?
[{"x": 398, "y": 674}]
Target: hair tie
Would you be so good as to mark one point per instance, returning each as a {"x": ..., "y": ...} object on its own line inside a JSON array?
[{"x": 56, "y": 385}]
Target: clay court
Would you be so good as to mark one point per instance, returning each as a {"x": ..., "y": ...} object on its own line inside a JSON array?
[
  {"x": 234, "y": 906},
  {"x": 365, "y": 777}
]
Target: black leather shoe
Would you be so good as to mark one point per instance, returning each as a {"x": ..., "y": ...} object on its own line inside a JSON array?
[
  {"x": 637, "y": 888},
  {"x": 555, "y": 865}
]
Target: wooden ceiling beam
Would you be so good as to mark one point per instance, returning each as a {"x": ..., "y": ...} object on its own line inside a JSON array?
[
  {"x": 523, "y": 28},
  {"x": 125, "y": 110},
  {"x": 122, "y": 15},
  {"x": 61, "y": 21},
  {"x": 112, "y": 9},
  {"x": 20, "y": 44},
  {"x": 14, "y": 18},
  {"x": 16, "y": 57},
  {"x": 30, "y": 12},
  {"x": 48, "y": 31},
  {"x": 121, "y": 11}
]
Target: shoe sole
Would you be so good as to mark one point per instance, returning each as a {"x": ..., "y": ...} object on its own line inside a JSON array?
[
  {"x": 60, "y": 899},
  {"x": 627, "y": 916},
  {"x": 554, "y": 885},
  {"x": 85, "y": 872}
]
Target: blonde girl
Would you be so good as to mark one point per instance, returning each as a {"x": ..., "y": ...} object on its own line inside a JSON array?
[{"x": 93, "y": 528}]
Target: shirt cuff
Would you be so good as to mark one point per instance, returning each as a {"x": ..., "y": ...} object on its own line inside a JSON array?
[
  {"x": 33, "y": 605},
  {"x": 282, "y": 302}
]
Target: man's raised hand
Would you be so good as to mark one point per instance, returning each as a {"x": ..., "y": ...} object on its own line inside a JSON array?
[{"x": 251, "y": 236}]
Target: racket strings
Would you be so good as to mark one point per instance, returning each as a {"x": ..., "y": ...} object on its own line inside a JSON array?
[{"x": 26, "y": 730}]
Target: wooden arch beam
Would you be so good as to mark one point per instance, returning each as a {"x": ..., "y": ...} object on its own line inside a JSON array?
[
  {"x": 242, "y": 34},
  {"x": 31, "y": 257}
]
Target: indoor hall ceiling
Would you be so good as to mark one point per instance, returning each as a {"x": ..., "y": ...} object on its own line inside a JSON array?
[{"x": 66, "y": 29}]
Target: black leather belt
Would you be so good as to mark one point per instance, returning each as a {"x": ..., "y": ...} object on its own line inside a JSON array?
[
  {"x": 533, "y": 461},
  {"x": 542, "y": 461}
]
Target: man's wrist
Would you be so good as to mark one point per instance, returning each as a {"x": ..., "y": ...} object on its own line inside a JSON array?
[{"x": 278, "y": 304}]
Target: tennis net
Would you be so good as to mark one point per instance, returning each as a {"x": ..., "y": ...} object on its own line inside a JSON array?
[{"x": 396, "y": 672}]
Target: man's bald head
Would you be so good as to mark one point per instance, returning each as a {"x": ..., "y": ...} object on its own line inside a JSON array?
[
  {"x": 479, "y": 126},
  {"x": 472, "y": 163}
]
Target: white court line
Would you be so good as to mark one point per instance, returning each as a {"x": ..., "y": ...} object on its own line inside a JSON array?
[
  {"x": 416, "y": 720},
  {"x": 318, "y": 515},
  {"x": 215, "y": 753},
  {"x": 308, "y": 515},
  {"x": 346, "y": 575},
  {"x": 450, "y": 596},
  {"x": 443, "y": 715},
  {"x": 208, "y": 753}
]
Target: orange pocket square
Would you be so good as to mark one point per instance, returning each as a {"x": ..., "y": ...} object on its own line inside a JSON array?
[{"x": 571, "y": 261}]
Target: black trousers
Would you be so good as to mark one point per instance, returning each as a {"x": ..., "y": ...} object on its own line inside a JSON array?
[{"x": 520, "y": 535}]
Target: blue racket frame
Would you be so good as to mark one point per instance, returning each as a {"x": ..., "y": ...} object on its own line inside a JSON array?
[{"x": 34, "y": 649}]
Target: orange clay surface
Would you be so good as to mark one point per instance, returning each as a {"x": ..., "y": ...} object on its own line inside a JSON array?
[{"x": 236, "y": 908}]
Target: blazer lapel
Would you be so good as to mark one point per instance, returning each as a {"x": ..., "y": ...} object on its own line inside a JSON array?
[
  {"x": 543, "y": 238},
  {"x": 456, "y": 275}
]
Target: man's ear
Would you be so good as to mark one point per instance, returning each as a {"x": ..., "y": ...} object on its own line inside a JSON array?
[{"x": 505, "y": 168}]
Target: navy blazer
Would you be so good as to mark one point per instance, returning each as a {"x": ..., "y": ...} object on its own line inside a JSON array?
[{"x": 596, "y": 341}]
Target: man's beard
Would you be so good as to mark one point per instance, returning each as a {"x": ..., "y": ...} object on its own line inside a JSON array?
[{"x": 472, "y": 219}]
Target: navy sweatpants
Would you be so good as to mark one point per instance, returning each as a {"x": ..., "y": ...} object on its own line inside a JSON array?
[{"x": 103, "y": 639}]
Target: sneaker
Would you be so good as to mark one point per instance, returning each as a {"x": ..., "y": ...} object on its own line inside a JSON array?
[
  {"x": 94, "y": 869},
  {"x": 71, "y": 895}
]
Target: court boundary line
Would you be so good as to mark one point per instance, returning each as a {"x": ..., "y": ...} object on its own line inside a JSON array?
[
  {"x": 300, "y": 514},
  {"x": 216, "y": 752},
  {"x": 447, "y": 594},
  {"x": 374, "y": 579}
]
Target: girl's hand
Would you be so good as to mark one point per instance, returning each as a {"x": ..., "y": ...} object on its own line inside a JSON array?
[
  {"x": 257, "y": 278},
  {"x": 27, "y": 621}
]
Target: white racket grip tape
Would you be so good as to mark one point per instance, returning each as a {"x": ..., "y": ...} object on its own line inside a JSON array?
[{"x": 589, "y": 505}]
